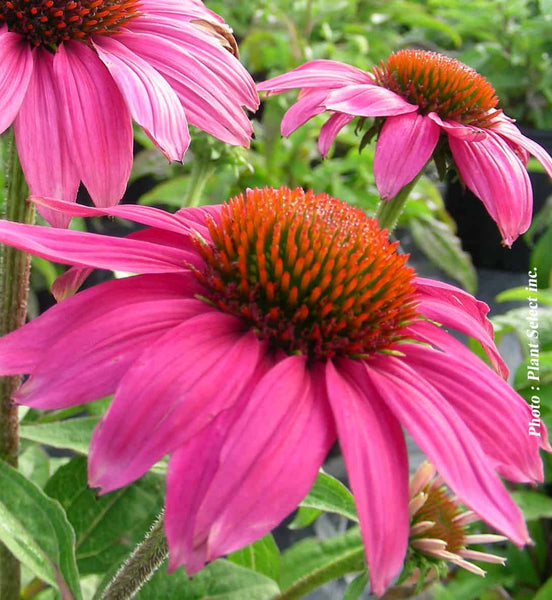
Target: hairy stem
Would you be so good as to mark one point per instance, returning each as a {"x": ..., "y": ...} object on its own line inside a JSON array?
[
  {"x": 142, "y": 564},
  {"x": 14, "y": 287}
]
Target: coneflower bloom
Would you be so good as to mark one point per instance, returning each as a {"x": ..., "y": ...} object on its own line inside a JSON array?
[
  {"x": 419, "y": 100},
  {"x": 255, "y": 333},
  {"x": 75, "y": 73}
]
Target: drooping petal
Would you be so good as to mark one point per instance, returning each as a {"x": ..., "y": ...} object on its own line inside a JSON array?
[
  {"x": 368, "y": 100},
  {"x": 316, "y": 74},
  {"x": 496, "y": 175},
  {"x": 375, "y": 455},
  {"x": 89, "y": 362},
  {"x": 16, "y": 67},
  {"x": 308, "y": 105},
  {"x": 468, "y": 133},
  {"x": 448, "y": 443},
  {"x": 271, "y": 449},
  {"x": 497, "y": 416},
  {"x": 21, "y": 350},
  {"x": 405, "y": 144},
  {"x": 42, "y": 140},
  {"x": 505, "y": 128},
  {"x": 452, "y": 307},
  {"x": 93, "y": 104},
  {"x": 329, "y": 131},
  {"x": 174, "y": 389},
  {"x": 153, "y": 104},
  {"x": 93, "y": 250}
]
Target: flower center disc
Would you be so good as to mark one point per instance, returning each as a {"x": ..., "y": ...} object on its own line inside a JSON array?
[
  {"x": 48, "y": 23},
  {"x": 437, "y": 83},
  {"x": 309, "y": 273}
]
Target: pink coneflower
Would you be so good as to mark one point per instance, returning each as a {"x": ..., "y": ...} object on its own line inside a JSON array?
[
  {"x": 256, "y": 332},
  {"x": 425, "y": 104},
  {"x": 75, "y": 73}
]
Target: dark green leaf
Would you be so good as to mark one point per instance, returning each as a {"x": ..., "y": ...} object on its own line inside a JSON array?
[
  {"x": 36, "y": 530},
  {"x": 545, "y": 592},
  {"x": 105, "y": 527},
  {"x": 221, "y": 580},
  {"x": 262, "y": 556}
]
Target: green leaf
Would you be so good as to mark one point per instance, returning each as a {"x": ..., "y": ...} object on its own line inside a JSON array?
[
  {"x": 545, "y": 592},
  {"x": 105, "y": 527},
  {"x": 221, "y": 580},
  {"x": 36, "y": 530},
  {"x": 35, "y": 465},
  {"x": 439, "y": 243},
  {"x": 356, "y": 587},
  {"x": 533, "y": 504},
  {"x": 313, "y": 562},
  {"x": 262, "y": 556},
  {"x": 523, "y": 294},
  {"x": 330, "y": 495},
  {"x": 73, "y": 434},
  {"x": 304, "y": 517}
]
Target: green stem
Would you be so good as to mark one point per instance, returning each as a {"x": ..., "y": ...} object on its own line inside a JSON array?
[
  {"x": 201, "y": 171},
  {"x": 14, "y": 287},
  {"x": 352, "y": 562},
  {"x": 138, "y": 569},
  {"x": 389, "y": 211}
]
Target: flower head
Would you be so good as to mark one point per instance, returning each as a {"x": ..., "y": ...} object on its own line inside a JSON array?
[
  {"x": 255, "y": 333},
  {"x": 419, "y": 98},
  {"x": 75, "y": 73}
]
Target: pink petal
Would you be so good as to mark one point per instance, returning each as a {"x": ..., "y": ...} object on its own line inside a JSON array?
[
  {"x": 448, "y": 443},
  {"x": 467, "y": 133},
  {"x": 506, "y": 129},
  {"x": 21, "y": 350},
  {"x": 375, "y": 455},
  {"x": 495, "y": 174},
  {"x": 316, "y": 74},
  {"x": 97, "y": 122},
  {"x": 368, "y": 100},
  {"x": 198, "y": 90},
  {"x": 152, "y": 102},
  {"x": 189, "y": 10},
  {"x": 452, "y": 307},
  {"x": 174, "y": 389},
  {"x": 329, "y": 131},
  {"x": 68, "y": 283},
  {"x": 92, "y": 250},
  {"x": 405, "y": 144},
  {"x": 42, "y": 141},
  {"x": 495, "y": 414},
  {"x": 89, "y": 362},
  {"x": 308, "y": 105},
  {"x": 16, "y": 67},
  {"x": 268, "y": 455}
]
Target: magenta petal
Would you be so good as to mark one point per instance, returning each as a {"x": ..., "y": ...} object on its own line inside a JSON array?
[
  {"x": 497, "y": 416},
  {"x": 42, "y": 140},
  {"x": 93, "y": 104},
  {"x": 375, "y": 455},
  {"x": 329, "y": 131},
  {"x": 497, "y": 176},
  {"x": 89, "y": 362},
  {"x": 16, "y": 67},
  {"x": 22, "y": 350},
  {"x": 448, "y": 443},
  {"x": 468, "y": 133},
  {"x": 316, "y": 74},
  {"x": 368, "y": 100},
  {"x": 452, "y": 307},
  {"x": 268, "y": 455},
  {"x": 308, "y": 105},
  {"x": 405, "y": 144},
  {"x": 152, "y": 102},
  {"x": 92, "y": 250},
  {"x": 174, "y": 389}
]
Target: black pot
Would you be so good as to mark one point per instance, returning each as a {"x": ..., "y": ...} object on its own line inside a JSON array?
[{"x": 479, "y": 233}]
